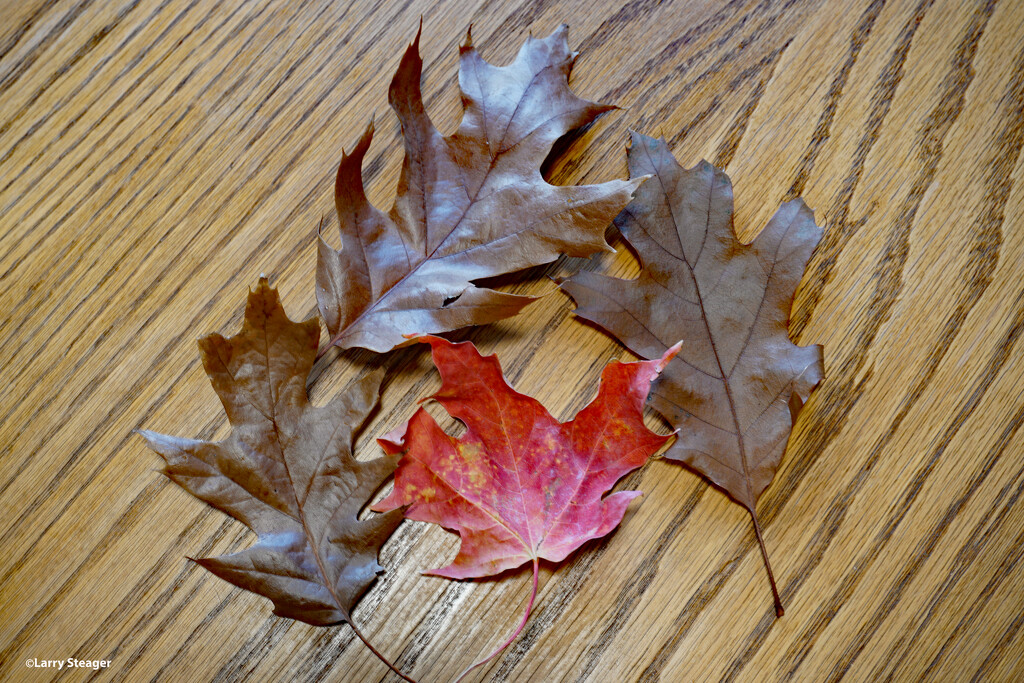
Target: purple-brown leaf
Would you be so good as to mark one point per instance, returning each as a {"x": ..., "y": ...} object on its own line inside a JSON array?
[
  {"x": 738, "y": 383},
  {"x": 469, "y": 206}
]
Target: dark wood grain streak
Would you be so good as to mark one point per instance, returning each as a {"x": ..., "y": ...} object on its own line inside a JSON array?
[
  {"x": 125, "y": 92},
  {"x": 146, "y": 293},
  {"x": 183, "y": 545},
  {"x": 851, "y": 578},
  {"x": 178, "y": 656},
  {"x": 981, "y": 535},
  {"x": 83, "y": 84},
  {"x": 738, "y": 126},
  {"x": 1000, "y": 649},
  {"x": 17, "y": 34},
  {"x": 980, "y": 269},
  {"x": 928, "y": 544},
  {"x": 133, "y": 132},
  {"x": 91, "y": 43},
  {"x": 1006, "y": 566},
  {"x": 687, "y": 617},
  {"x": 225, "y": 96},
  {"x": 169, "y": 616},
  {"x": 680, "y": 90},
  {"x": 823, "y": 128},
  {"x": 977, "y": 283},
  {"x": 28, "y": 630},
  {"x": 840, "y": 228},
  {"x": 637, "y": 584},
  {"x": 96, "y": 186},
  {"x": 942, "y": 119},
  {"x": 766, "y": 65},
  {"x": 21, "y": 66}
]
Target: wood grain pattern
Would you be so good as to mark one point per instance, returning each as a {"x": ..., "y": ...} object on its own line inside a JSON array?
[{"x": 158, "y": 155}]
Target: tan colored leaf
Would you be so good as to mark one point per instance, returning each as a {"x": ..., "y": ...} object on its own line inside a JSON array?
[{"x": 287, "y": 470}]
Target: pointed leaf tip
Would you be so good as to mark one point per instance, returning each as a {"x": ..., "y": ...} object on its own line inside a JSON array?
[{"x": 672, "y": 352}]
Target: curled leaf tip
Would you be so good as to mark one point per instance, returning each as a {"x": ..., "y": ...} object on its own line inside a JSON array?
[{"x": 672, "y": 352}]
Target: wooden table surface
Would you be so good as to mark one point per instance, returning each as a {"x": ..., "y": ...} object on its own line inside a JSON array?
[{"x": 158, "y": 155}]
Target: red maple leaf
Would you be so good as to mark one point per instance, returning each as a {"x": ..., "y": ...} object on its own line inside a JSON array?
[{"x": 519, "y": 486}]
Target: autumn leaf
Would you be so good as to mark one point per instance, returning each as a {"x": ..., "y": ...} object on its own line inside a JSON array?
[
  {"x": 287, "y": 471},
  {"x": 735, "y": 389},
  {"x": 469, "y": 206},
  {"x": 519, "y": 486}
]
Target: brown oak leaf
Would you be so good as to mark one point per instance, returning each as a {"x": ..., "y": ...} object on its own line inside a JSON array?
[
  {"x": 735, "y": 389},
  {"x": 469, "y": 206},
  {"x": 287, "y": 470}
]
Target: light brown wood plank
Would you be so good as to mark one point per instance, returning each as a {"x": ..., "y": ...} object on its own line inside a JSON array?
[{"x": 158, "y": 155}]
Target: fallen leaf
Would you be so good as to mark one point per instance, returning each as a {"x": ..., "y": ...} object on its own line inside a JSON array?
[
  {"x": 287, "y": 470},
  {"x": 469, "y": 206},
  {"x": 735, "y": 389},
  {"x": 519, "y": 486}
]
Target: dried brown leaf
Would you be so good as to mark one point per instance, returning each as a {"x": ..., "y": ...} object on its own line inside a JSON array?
[
  {"x": 735, "y": 388},
  {"x": 469, "y": 206}
]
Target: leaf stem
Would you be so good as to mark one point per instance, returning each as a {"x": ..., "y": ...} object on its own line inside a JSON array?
[
  {"x": 515, "y": 634},
  {"x": 381, "y": 657},
  {"x": 767, "y": 565}
]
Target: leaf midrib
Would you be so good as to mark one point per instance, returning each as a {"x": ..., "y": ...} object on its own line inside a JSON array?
[
  {"x": 704, "y": 316},
  {"x": 326, "y": 580}
]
